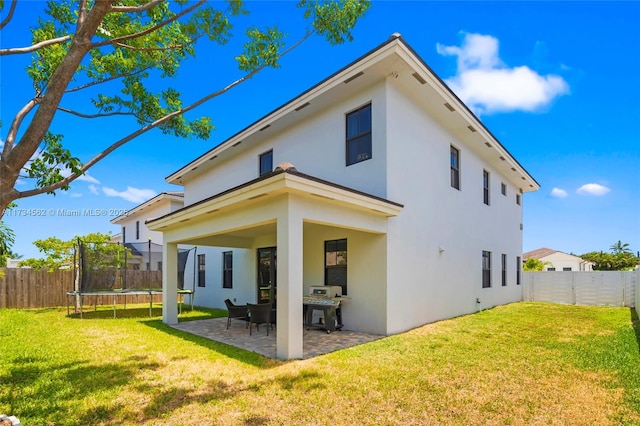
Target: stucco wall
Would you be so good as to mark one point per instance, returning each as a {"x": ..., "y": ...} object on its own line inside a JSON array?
[
  {"x": 315, "y": 146},
  {"x": 424, "y": 283},
  {"x": 561, "y": 260}
]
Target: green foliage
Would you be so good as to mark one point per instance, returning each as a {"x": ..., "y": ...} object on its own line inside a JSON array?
[
  {"x": 610, "y": 261},
  {"x": 7, "y": 238},
  {"x": 47, "y": 167},
  {"x": 621, "y": 258},
  {"x": 532, "y": 264},
  {"x": 59, "y": 254},
  {"x": 334, "y": 19}
]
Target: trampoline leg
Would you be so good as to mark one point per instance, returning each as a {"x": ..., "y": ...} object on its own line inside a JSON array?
[
  {"x": 114, "y": 305},
  {"x": 150, "y": 303},
  {"x": 81, "y": 297}
]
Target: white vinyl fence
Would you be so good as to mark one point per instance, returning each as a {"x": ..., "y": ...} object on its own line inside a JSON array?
[{"x": 583, "y": 288}]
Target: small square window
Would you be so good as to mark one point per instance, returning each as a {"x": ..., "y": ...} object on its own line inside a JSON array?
[{"x": 266, "y": 163}]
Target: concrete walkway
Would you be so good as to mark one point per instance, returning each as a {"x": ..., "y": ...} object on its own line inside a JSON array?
[{"x": 315, "y": 341}]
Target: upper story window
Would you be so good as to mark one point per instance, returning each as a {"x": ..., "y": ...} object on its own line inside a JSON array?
[
  {"x": 137, "y": 229},
  {"x": 455, "y": 168},
  {"x": 518, "y": 199},
  {"x": 359, "y": 135},
  {"x": 266, "y": 163},
  {"x": 485, "y": 186},
  {"x": 124, "y": 235},
  {"x": 503, "y": 188}
]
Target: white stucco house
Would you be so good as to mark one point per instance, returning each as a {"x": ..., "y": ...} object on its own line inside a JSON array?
[
  {"x": 558, "y": 261},
  {"x": 378, "y": 179}
]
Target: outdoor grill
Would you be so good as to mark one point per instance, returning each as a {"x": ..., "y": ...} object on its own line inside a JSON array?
[{"x": 325, "y": 300}]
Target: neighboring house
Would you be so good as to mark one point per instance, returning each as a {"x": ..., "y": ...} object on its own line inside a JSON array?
[
  {"x": 399, "y": 194},
  {"x": 558, "y": 261},
  {"x": 145, "y": 245},
  {"x": 197, "y": 261}
]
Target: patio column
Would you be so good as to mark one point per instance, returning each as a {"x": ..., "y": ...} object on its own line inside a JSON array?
[
  {"x": 289, "y": 298},
  {"x": 170, "y": 283}
]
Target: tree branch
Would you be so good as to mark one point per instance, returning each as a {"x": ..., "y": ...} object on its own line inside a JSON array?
[
  {"x": 132, "y": 9},
  {"x": 82, "y": 14},
  {"x": 6, "y": 20},
  {"x": 33, "y": 48},
  {"x": 150, "y": 29},
  {"x": 158, "y": 122},
  {"x": 115, "y": 77},
  {"x": 150, "y": 49},
  {"x": 82, "y": 115},
  {"x": 15, "y": 125}
]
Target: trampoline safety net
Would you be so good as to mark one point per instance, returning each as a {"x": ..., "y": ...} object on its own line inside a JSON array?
[{"x": 129, "y": 266}]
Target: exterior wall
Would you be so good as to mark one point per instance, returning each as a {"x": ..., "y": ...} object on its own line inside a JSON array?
[
  {"x": 424, "y": 283},
  {"x": 315, "y": 146},
  {"x": 561, "y": 260},
  {"x": 212, "y": 295}
]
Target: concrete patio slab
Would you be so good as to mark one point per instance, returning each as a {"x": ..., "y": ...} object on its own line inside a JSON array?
[{"x": 315, "y": 341}]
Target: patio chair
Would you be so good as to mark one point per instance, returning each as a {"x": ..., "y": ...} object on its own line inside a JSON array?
[
  {"x": 259, "y": 314},
  {"x": 237, "y": 312}
]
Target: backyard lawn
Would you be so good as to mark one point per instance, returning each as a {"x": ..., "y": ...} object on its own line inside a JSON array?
[{"x": 524, "y": 363}]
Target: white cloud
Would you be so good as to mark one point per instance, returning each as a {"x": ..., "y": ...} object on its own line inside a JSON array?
[
  {"x": 593, "y": 189},
  {"x": 94, "y": 189},
  {"x": 559, "y": 193},
  {"x": 486, "y": 84},
  {"x": 82, "y": 178},
  {"x": 75, "y": 195},
  {"x": 134, "y": 195}
]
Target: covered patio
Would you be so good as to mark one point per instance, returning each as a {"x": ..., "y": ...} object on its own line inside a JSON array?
[
  {"x": 295, "y": 213},
  {"x": 315, "y": 342}
]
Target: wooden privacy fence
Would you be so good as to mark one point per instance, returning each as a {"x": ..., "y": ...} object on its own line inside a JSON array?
[
  {"x": 30, "y": 288},
  {"x": 612, "y": 288}
]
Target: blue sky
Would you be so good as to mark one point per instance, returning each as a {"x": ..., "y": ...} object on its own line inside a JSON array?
[{"x": 558, "y": 83}]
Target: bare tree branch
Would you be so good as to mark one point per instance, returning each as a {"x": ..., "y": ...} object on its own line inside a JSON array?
[
  {"x": 132, "y": 9},
  {"x": 150, "y": 29},
  {"x": 115, "y": 77},
  {"x": 10, "y": 14},
  {"x": 82, "y": 14},
  {"x": 33, "y": 48},
  {"x": 15, "y": 125},
  {"x": 150, "y": 49},
  {"x": 82, "y": 115}
]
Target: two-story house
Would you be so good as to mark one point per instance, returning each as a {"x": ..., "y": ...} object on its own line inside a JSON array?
[{"x": 378, "y": 179}]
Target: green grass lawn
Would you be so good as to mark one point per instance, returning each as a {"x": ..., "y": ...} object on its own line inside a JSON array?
[{"x": 524, "y": 363}]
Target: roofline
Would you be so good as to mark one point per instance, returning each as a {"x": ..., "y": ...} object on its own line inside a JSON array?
[
  {"x": 142, "y": 206},
  {"x": 278, "y": 171},
  {"x": 266, "y": 119}
]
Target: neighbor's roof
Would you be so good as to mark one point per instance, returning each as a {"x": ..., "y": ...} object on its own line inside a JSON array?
[
  {"x": 168, "y": 195},
  {"x": 396, "y": 54},
  {"x": 539, "y": 253}
]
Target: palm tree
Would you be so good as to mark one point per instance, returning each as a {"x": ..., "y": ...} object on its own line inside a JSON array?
[{"x": 620, "y": 247}]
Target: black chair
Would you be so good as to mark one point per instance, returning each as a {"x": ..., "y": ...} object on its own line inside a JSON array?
[
  {"x": 259, "y": 314},
  {"x": 236, "y": 311}
]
